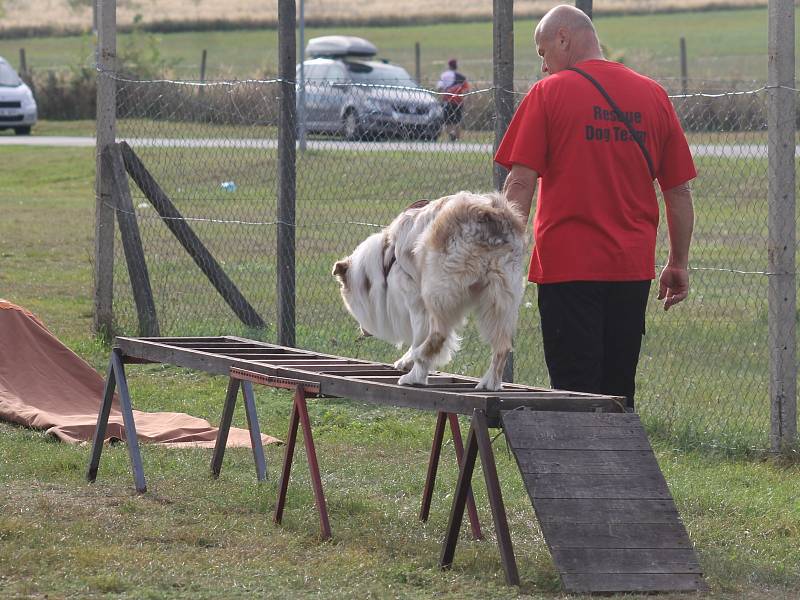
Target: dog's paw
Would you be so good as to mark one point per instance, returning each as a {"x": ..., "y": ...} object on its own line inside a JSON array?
[
  {"x": 412, "y": 379},
  {"x": 489, "y": 385},
  {"x": 403, "y": 364}
]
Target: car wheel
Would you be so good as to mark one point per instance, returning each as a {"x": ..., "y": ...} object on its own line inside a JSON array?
[
  {"x": 351, "y": 126},
  {"x": 23, "y": 130}
]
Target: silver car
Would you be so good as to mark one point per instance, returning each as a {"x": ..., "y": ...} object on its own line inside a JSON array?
[
  {"x": 366, "y": 99},
  {"x": 17, "y": 106}
]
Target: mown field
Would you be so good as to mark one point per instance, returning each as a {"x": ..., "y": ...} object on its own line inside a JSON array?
[
  {"x": 726, "y": 45},
  {"x": 60, "y": 15},
  {"x": 193, "y": 537}
]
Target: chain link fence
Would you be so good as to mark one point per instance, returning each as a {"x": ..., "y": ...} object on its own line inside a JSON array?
[{"x": 371, "y": 150}]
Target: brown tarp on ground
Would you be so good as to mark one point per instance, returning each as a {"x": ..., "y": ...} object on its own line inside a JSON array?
[{"x": 44, "y": 385}]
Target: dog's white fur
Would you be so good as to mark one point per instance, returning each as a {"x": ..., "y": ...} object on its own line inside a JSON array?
[{"x": 414, "y": 282}]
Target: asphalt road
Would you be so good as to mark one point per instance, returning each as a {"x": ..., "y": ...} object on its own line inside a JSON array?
[{"x": 698, "y": 150}]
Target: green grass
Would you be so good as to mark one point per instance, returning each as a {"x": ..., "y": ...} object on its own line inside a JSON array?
[
  {"x": 194, "y": 537},
  {"x": 343, "y": 195},
  {"x": 721, "y": 45}
]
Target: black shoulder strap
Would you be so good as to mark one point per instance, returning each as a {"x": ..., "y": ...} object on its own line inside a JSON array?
[{"x": 620, "y": 115}]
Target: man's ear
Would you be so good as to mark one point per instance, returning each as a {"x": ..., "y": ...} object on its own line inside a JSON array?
[
  {"x": 563, "y": 37},
  {"x": 340, "y": 269}
]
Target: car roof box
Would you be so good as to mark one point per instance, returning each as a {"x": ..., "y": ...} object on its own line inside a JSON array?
[{"x": 329, "y": 46}]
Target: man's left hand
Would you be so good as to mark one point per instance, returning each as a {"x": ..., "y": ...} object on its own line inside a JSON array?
[{"x": 673, "y": 286}]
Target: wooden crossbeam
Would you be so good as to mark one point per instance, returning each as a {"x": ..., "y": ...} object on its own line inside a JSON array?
[{"x": 175, "y": 222}]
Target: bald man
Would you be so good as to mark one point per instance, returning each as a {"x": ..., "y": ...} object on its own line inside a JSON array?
[{"x": 597, "y": 211}]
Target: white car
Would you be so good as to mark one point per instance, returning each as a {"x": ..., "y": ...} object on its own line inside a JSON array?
[{"x": 17, "y": 106}]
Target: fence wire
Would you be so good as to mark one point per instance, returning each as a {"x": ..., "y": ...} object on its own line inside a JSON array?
[{"x": 372, "y": 149}]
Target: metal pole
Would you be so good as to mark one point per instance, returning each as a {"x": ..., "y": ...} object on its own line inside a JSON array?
[
  {"x": 585, "y": 6},
  {"x": 417, "y": 64},
  {"x": 106, "y": 122},
  {"x": 287, "y": 54},
  {"x": 684, "y": 69},
  {"x": 23, "y": 64},
  {"x": 301, "y": 105},
  {"x": 503, "y": 75},
  {"x": 782, "y": 222}
]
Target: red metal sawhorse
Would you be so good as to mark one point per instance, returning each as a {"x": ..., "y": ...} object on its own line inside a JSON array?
[{"x": 299, "y": 418}]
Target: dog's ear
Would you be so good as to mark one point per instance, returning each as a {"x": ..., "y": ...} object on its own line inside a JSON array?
[{"x": 340, "y": 269}]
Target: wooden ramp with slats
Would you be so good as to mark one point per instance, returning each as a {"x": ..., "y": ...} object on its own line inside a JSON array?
[{"x": 602, "y": 502}]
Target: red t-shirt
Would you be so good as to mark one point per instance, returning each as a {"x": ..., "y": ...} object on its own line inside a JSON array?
[{"x": 597, "y": 211}]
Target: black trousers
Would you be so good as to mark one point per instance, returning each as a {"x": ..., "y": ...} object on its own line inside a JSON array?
[{"x": 592, "y": 333}]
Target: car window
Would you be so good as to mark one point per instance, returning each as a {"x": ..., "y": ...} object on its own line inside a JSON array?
[
  {"x": 313, "y": 71},
  {"x": 377, "y": 73},
  {"x": 8, "y": 76},
  {"x": 337, "y": 74}
]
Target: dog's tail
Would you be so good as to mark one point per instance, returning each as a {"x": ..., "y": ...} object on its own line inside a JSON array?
[
  {"x": 487, "y": 220},
  {"x": 501, "y": 221}
]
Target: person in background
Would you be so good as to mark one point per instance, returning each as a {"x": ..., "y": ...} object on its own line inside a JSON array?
[
  {"x": 454, "y": 85},
  {"x": 597, "y": 212}
]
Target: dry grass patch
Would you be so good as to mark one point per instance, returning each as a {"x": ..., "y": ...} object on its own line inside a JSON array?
[{"x": 73, "y": 15}]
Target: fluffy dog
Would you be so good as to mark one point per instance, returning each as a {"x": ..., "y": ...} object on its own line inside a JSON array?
[{"x": 414, "y": 282}]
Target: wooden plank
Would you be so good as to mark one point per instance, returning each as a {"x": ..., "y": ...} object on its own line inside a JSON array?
[
  {"x": 183, "y": 339},
  {"x": 560, "y": 419},
  {"x": 433, "y": 380},
  {"x": 578, "y": 438},
  {"x": 605, "y": 510},
  {"x": 175, "y": 222},
  {"x": 596, "y": 486},
  {"x": 389, "y": 395},
  {"x": 286, "y": 361},
  {"x": 215, "y": 364},
  {"x": 558, "y": 402},
  {"x": 350, "y": 370},
  {"x": 336, "y": 384},
  {"x": 619, "y": 561},
  {"x": 132, "y": 244},
  {"x": 598, "y": 462},
  {"x": 617, "y": 535},
  {"x": 631, "y": 582},
  {"x": 239, "y": 351}
]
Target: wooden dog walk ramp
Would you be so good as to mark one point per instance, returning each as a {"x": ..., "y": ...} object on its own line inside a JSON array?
[
  {"x": 597, "y": 490},
  {"x": 602, "y": 502}
]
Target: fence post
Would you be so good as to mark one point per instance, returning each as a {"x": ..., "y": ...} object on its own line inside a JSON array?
[
  {"x": 782, "y": 223},
  {"x": 203, "y": 66},
  {"x": 684, "y": 69},
  {"x": 585, "y": 6},
  {"x": 417, "y": 65},
  {"x": 503, "y": 76},
  {"x": 301, "y": 99},
  {"x": 106, "y": 135},
  {"x": 23, "y": 64},
  {"x": 287, "y": 54}
]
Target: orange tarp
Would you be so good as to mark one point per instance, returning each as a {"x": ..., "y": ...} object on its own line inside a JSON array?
[{"x": 44, "y": 385}]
